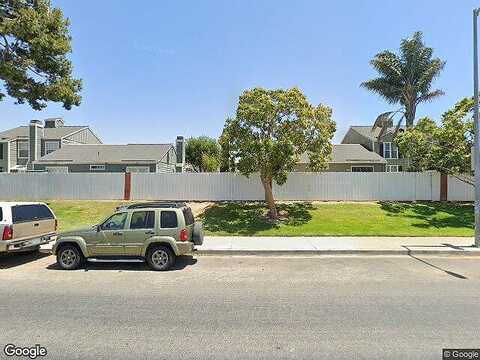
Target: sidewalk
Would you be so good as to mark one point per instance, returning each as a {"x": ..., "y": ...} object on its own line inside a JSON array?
[{"x": 334, "y": 245}]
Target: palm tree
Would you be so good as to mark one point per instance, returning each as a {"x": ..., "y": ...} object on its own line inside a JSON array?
[{"x": 406, "y": 78}]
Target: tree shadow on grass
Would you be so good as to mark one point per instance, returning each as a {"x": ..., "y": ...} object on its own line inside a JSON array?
[
  {"x": 455, "y": 215},
  {"x": 248, "y": 218}
]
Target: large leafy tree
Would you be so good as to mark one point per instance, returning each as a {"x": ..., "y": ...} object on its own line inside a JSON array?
[
  {"x": 271, "y": 130},
  {"x": 34, "y": 43},
  {"x": 446, "y": 148},
  {"x": 203, "y": 153},
  {"x": 406, "y": 78},
  {"x": 227, "y": 162}
]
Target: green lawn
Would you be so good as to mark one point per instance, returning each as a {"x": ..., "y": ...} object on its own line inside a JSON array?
[
  {"x": 347, "y": 219},
  {"x": 76, "y": 214},
  {"x": 304, "y": 219}
]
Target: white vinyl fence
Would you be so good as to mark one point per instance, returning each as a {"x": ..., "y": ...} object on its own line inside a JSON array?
[
  {"x": 47, "y": 186},
  {"x": 360, "y": 186},
  {"x": 458, "y": 190},
  {"x": 192, "y": 186},
  {"x": 229, "y": 186},
  {"x": 299, "y": 186}
]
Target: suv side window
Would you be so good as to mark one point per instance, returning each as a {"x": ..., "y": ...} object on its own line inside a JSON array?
[
  {"x": 115, "y": 222},
  {"x": 34, "y": 212},
  {"x": 168, "y": 220},
  {"x": 1, "y": 214},
  {"x": 142, "y": 220}
]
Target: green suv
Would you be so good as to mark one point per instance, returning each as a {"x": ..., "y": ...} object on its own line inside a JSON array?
[{"x": 155, "y": 232}]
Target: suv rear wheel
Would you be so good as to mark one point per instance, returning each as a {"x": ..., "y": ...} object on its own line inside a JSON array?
[
  {"x": 160, "y": 258},
  {"x": 69, "y": 257}
]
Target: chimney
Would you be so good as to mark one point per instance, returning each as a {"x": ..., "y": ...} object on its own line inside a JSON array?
[
  {"x": 35, "y": 135},
  {"x": 180, "y": 148},
  {"x": 54, "y": 123}
]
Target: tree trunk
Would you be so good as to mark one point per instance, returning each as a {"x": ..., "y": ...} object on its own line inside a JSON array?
[
  {"x": 410, "y": 115},
  {"x": 267, "y": 185}
]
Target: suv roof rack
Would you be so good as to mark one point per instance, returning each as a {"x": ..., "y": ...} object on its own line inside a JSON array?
[{"x": 156, "y": 204}]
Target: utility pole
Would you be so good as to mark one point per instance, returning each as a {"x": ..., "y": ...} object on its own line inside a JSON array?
[{"x": 477, "y": 129}]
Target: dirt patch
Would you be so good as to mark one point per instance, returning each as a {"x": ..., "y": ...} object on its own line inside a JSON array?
[{"x": 198, "y": 208}]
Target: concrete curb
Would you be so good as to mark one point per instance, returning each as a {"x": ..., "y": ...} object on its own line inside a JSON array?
[{"x": 468, "y": 253}]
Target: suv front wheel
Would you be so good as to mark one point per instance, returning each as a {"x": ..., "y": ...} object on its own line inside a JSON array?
[
  {"x": 160, "y": 258},
  {"x": 69, "y": 257}
]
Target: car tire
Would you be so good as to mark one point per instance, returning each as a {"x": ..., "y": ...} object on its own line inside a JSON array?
[
  {"x": 69, "y": 257},
  {"x": 160, "y": 258}
]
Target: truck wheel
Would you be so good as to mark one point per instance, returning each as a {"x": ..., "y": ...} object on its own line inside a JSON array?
[
  {"x": 160, "y": 258},
  {"x": 69, "y": 257}
]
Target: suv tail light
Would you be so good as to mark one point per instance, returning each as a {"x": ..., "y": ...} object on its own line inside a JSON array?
[
  {"x": 56, "y": 224},
  {"x": 183, "y": 235},
  {"x": 7, "y": 233}
]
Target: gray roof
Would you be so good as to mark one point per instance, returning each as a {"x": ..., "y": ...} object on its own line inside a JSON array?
[
  {"x": 367, "y": 132},
  {"x": 48, "y": 133},
  {"x": 102, "y": 154},
  {"x": 350, "y": 153}
]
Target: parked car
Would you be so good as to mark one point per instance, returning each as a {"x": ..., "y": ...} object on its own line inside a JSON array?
[
  {"x": 155, "y": 232},
  {"x": 25, "y": 226}
]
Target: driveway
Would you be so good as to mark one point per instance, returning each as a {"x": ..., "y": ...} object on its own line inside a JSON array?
[{"x": 244, "y": 308}]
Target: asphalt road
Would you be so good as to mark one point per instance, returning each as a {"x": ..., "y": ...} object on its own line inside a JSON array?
[{"x": 243, "y": 308}]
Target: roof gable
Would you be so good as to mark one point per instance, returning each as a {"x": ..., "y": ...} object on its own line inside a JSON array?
[
  {"x": 368, "y": 133},
  {"x": 48, "y": 133},
  {"x": 350, "y": 153}
]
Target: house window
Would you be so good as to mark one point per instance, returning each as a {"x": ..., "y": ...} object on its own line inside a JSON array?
[
  {"x": 97, "y": 167},
  {"x": 1, "y": 170},
  {"x": 137, "y": 169},
  {"x": 57, "y": 169},
  {"x": 362, "y": 168},
  {"x": 22, "y": 147},
  {"x": 392, "y": 168},
  {"x": 390, "y": 150},
  {"x": 51, "y": 146},
  {"x": 1, "y": 151}
]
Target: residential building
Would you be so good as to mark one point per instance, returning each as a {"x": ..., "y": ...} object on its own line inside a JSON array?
[
  {"x": 349, "y": 158},
  {"x": 21, "y": 146},
  {"x": 102, "y": 158},
  {"x": 380, "y": 141}
]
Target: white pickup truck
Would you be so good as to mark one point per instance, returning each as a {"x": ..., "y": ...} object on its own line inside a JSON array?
[{"x": 24, "y": 226}]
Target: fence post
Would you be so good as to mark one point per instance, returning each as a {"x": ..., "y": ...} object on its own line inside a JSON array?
[
  {"x": 127, "y": 188},
  {"x": 443, "y": 187}
]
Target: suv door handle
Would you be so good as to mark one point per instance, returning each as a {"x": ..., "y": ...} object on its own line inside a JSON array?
[
  {"x": 150, "y": 232},
  {"x": 117, "y": 233}
]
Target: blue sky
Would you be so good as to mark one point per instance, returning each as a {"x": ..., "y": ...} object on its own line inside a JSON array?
[{"x": 156, "y": 69}]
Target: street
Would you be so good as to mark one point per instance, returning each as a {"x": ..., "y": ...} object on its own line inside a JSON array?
[{"x": 243, "y": 307}]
